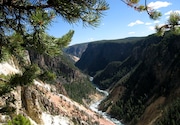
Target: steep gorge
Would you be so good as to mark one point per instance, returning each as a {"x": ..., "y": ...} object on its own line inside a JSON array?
[
  {"x": 142, "y": 86},
  {"x": 44, "y": 105},
  {"x": 100, "y": 53}
]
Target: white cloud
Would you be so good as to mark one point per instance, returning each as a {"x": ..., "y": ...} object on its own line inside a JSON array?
[
  {"x": 130, "y": 33},
  {"x": 137, "y": 22},
  {"x": 156, "y": 21},
  {"x": 148, "y": 23},
  {"x": 158, "y": 4},
  {"x": 169, "y": 12},
  {"x": 167, "y": 17},
  {"x": 152, "y": 28}
]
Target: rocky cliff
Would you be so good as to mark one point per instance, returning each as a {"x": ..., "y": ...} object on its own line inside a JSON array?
[
  {"x": 65, "y": 70},
  {"x": 76, "y": 50},
  {"x": 99, "y": 54},
  {"x": 43, "y": 104},
  {"x": 121, "y": 69}
]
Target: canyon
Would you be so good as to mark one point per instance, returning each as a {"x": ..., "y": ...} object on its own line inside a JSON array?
[{"x": 43, "y": 105}]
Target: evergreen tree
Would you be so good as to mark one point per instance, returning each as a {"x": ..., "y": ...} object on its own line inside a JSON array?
[{"x": 23, "y": 23}]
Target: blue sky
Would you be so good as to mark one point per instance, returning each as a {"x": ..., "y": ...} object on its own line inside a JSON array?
[{"x": 118, "y": 22}]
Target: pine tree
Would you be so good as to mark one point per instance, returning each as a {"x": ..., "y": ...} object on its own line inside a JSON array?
[{"x": 23, "y": 23}]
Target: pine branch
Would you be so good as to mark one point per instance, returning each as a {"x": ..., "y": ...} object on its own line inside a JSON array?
[{"x": 24, "y": 7}]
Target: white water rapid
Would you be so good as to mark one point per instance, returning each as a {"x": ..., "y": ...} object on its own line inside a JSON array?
[{"x": 95, "y": 105}]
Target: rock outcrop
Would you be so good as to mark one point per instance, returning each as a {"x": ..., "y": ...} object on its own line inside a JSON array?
[
  {"x": 76, "y": 50},
  {"x": 66, "y": 72},
  {"x": 44, "y": 105}
]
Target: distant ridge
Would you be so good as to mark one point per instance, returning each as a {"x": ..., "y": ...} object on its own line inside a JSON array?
[{"x": 99, "y": 53}]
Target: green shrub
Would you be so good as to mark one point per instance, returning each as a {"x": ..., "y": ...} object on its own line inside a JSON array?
[
  {"x": 78, "y": 91},
  {"x": 4, "y": 54},
  {"x": 4, "y": 88},
  {"x": 19, "y": 120},
  {"x": 128, "y": 110},
  {"x": 171, "y": 115},
  {"x": 26, "y": 78},
  {"x": 47, "y": 76}
]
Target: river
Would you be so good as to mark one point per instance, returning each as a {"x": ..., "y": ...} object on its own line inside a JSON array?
[{"x": 95, "y": 105}]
